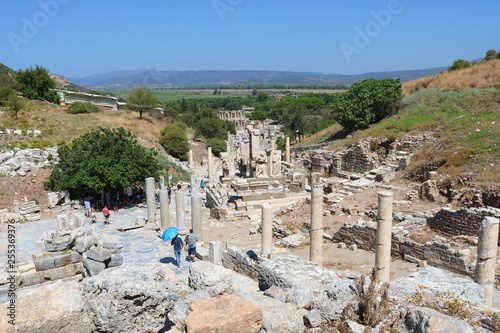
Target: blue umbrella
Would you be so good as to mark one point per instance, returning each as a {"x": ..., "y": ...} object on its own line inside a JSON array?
[{"x": 169, "y": 234}]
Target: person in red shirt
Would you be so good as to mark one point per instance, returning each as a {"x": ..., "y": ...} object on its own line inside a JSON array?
[{"x": 105, "y": 211}]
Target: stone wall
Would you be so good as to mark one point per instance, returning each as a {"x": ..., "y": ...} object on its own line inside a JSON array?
[
  {"x": 436, "y": 253},
  {"x": 410, "y": 143},
  {"x": 461, "y": 222},
  {"x": 241, "y": 262},
  {"x": 20, "y": 161},
  {"x": 359, "y": 159}
]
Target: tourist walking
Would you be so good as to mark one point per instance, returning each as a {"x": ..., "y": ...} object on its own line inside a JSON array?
[
  {"x": 116, "y": 198},
  {"x": 169, "y": 190},
  {"x": 105, "y": 212},
  {"x": 192, "y": 238},
  {"x": 202, "y": 185},
  {"x": 93, "y": 216},
  {"x": 87, "y": 208},
  {"x": 178, "y": 244},
  {"x": 179, "y": 186}
]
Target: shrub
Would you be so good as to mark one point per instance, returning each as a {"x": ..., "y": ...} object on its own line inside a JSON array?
[
  {"x": 174, "y": 141},
  {"x": 459, "y": 64},
  {"x": 81, "y": 107},
  {"x": 281, "y": 143},
  {"x": 218, "y": 146}
]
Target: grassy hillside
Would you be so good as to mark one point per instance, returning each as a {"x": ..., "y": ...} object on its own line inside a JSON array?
[
  {"x": 59, "y": 127},
  {"x": 481, "y": 75},
  {"x": 6, "y": 70},
  {"x": 466, "y": 123}
]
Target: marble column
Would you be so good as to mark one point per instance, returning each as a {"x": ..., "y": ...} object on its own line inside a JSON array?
[
  {"x": 210, "y": 166},
  {"x": 164, "y": 210},
  {"x": 196, "y": 215},
  {"x": 150, "y": 199},
  {"x": 267, "y": 229},
  {"x": 384, "y": 236},
  {"x": 162, "y": 182},
  {"x": 316, "y": 231},
  {"x": 191, "y": 161},
  {"x": 487, "y": 248},
  {"x": 269, "y": 162},
  {"x": 180, "y": 210},
  {"x": 16, "y": 206},
  {"x": 287, "y": 153}
]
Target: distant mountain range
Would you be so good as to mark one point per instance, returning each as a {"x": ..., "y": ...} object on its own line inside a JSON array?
[{"x": 155, "y": 78}]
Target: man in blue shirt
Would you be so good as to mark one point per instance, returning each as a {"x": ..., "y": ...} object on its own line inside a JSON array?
[{"x": 178, "y": 244}]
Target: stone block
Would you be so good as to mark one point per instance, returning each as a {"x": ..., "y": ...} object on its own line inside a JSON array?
[
  {"x": 44, "y": 263},
  {"x": 115, "y": 260},
  {"x": 82, "y": 244},
  {"x": 238, "y": 315},
  {"x": 313, "y": 318},
  {"x": 58, "y": 242},
  {"x": 215, "y": 252},
  {"x": 31, "y": 278},
  {"x": 55, "y": 273},
  {"x": 204, "y": 275},
  {"x": 62, "y": 260},
  {"x": 98, "y": 254},
  {"x": 93, "y": 267},
  {"x": 76, "y": 257}
]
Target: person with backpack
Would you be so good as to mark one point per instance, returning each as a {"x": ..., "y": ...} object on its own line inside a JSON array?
[{"x": 192, "y": 238}]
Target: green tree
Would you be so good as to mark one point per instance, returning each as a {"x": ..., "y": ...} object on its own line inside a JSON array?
[
  {"x": 100, "y": 160},
  {"x": 211, "y": 128},
  {"x": 15, "y": 103},
  {"x": 5, "y": 94},
  {"x": 141, "y": 100},
  {"x": 258, "y": 115},
  {"x": 490, "y": 55},
  {"x": 184, "y": 106},
  {"x": 218, "y": 146},
  {"x": 459, "y": 64},
  {"x": 174, "y": 140},
  {"x": 82, "y": 107},
  {"x": 281, "y": 143},
  {"x": 254, "y": 92},
  {"x": 293, "y": 120},
  {"x": 367, "y": 102},
  {"x": 37, "y": 84},
  {"x": 262, "y": 97}
]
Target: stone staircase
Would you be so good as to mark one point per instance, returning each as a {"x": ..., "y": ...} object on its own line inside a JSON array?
[{"x": 29, "y": 209}]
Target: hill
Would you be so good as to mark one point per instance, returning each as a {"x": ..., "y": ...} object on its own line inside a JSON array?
[
  {"x": 157, "y": 78},
  {"x": 64, "y": 83},
  {"x": 480, "y": 75},
  {"x": 6, "y": 70}
]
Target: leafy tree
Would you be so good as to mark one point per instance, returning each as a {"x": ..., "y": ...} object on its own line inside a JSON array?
[
  {"x": 174, "y": 140},
  {"x": 15, "y": 103},
  {"x": 367, "y": 102},
  {"x": 281, "y": 143},
  {"x": 5, "y": 94},
  {"x": 258, "y": 115},
  {"x": 100, "y": 160},
  {"x": 211, "y": 128},
  {"x": 141, "y": 100},
  {"x": 490, "y": 55},
  {"x": 459, "y": 64},
  {"x": 262, "y": 97},
  {"x": 230, "y": 127},
  {"x": 82, "y": 107},
  {"x": 254, "y": 92},
  {"x": 184, "y": 106},
  {"x": 37, "y": 84},
  {"x": 218, "y": 146},
  {"x": 293, "y": 120}
]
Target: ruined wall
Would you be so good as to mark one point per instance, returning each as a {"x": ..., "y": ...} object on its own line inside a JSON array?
[
  {"x": 410, "y": 143},
  {"x": 461, "y": 222},
  {"x": 436, "y": 253},
  {"x": 239, "y": 261},
  {"x": 359, "y": 159}
]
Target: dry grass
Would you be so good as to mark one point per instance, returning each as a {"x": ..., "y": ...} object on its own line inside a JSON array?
[{"x": 480, "y": 75}]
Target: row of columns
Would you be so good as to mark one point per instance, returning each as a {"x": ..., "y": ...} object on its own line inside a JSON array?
[
  {"x": 487, "y": 249},
  {"x": 165, "y": 223}
]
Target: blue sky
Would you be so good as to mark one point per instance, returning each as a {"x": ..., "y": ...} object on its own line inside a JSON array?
[{"x": 79, "y": 38}]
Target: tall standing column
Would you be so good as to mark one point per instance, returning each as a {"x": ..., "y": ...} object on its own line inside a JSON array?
[
  {"x": 316, "y": 231},
  {"x": 269, "y": 162},
  {"x": 487, "y": 248},
  {"x": 180, "y": 210},
  {"x": 150, "y": 198},
  {"x": 287, "y": 153},
  {"x": 164, "y": 210},
  {"x": 384, "y": 234},
  {"x": 267, "y": 229},
  {"x": 210, "y": 166},
  {"x": 191, "y": 162},
  {"x": 196, "y": 215},
  {"x": 162, "y": 182}
]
